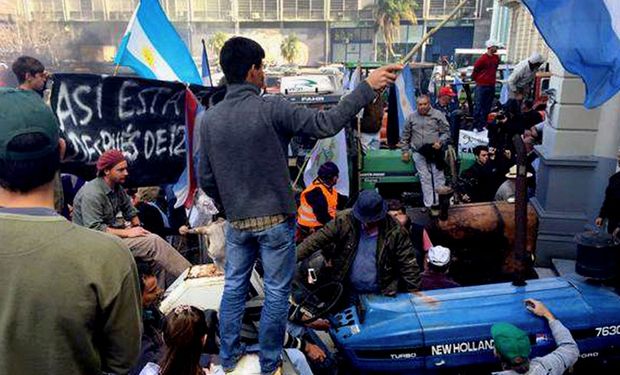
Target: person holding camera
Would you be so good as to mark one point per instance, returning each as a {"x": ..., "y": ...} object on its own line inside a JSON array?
[{"x": 425, "y": 134}]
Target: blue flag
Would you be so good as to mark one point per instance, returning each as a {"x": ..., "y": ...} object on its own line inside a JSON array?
[
  {"x": 153, "y": 48},
  {"x": 206, "y": 71},
  {"x": 405, "y": 96},
  {"x": 504, "y": 94},
  {"x": 585, "y": 35}
]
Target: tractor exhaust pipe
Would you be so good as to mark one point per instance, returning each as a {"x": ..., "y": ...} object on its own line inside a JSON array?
[{"x": 520, "y": 261}]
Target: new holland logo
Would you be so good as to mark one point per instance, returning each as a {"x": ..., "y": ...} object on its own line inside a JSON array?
[{"x": 462, "y": 347}]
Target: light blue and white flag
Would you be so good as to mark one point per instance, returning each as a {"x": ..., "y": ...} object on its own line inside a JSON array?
[
  {"x": 504, "y": 94},
  {"x": 345, "y": 80},
  {"x": 405, "y": 96},
  {"x": 153, "y": 48},
  {"x": 356, "y": 78},
  {"x": 332, "y": 149},
  {"x": 458, "y": 84},
  {"x": 585, "y": 35}
]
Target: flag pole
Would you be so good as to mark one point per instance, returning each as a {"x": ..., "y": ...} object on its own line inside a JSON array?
[
  {"x": 204, "y": 48},
  {"x": 303, "y": 166},
  {"x": 425, "y": 37},
  {"x": 123, "y": 45}
]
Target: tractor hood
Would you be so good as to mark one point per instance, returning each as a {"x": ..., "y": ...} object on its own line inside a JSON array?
[{"x": 451, "y": 327}]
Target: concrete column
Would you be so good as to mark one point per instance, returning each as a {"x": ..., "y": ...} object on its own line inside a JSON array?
[
  {"x": 495, "y": 21},
  {"x": 576, "y": 158}
]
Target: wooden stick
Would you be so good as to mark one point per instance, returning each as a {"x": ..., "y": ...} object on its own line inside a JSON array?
[
  {"x": 303, "y": 166},
  {"x": 116, "y": 70}
]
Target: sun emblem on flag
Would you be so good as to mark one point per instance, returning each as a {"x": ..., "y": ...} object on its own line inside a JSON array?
[{"x": 148, "y": 56}]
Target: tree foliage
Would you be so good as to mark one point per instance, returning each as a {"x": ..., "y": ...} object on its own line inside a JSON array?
[
  {"x": 290, "y": 48},
  {"x": 216, "y": 42},
  {"x": 389, "y": 13}
]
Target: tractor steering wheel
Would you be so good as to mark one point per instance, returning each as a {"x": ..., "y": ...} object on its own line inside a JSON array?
[{"x": 314, "y": 304}]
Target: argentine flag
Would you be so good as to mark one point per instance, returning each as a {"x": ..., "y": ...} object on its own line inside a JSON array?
[
  {"x": 405, "y": 96},
  {"x": 585, "y": 35},
  {"x": 153, "y": 48}
]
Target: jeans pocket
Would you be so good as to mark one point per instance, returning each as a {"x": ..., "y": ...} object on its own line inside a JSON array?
[{"x": 280, "y": 235}]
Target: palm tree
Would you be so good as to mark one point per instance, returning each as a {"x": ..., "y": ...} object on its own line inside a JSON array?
[
  {"x": 290, "y": 48},
  {"x": 388, "y": 14},
  {"x": 216, "y": 42}
]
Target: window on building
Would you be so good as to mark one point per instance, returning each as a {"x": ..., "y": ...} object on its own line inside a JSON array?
[
  {"x": 350, "y": 35},
  {"x": 217, "y": 9},
  {"x": 303, "y": 9},
  {"x": 343, "y": 9},
  {"x": 48, "y": 10},
  {"x": 84, "y": 10},
  {"x": 199, "y": 10},
  {"x": 121, "y": 9},
  {"x": 441, "y": 8},
  {"x": 177, "y": 10}
]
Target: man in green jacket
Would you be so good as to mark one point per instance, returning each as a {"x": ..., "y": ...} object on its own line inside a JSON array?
[
  {"x": 366, "y": 250},
  {"x": 69, "y": 296}
]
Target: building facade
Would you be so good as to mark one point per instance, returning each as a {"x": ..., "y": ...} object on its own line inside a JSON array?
[
  {"x": 330, "y": 30},
  {"x": 513, "y": 25}
]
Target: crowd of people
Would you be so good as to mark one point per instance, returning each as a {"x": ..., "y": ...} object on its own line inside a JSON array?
[
  {"x": 80, "y": 296},
  {"x": 434, "y": 126}
]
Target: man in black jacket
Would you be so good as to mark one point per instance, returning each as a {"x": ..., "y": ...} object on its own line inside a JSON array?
[
  {"x": 478, "y": 183},
  {"x": 366, "y": 250}
]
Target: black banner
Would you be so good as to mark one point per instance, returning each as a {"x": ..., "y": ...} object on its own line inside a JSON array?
[{"x": 143, "y": 118}]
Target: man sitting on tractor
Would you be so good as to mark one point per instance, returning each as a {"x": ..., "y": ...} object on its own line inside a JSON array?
[
  {"x": 319, "y": 202},
  {"x": 366, "y": 250}
]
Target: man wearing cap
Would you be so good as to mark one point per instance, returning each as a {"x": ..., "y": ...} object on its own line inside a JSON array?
[
  {"x": 319, "y": 202},
  {"x": 100, "y": 201},
  {"x": 485, "y": 75},
  {"x": 425, "y": 134},
  {"x": 70, "y": 296},
  {"x": 513, "y": 347},
  {"x": 523, "y": 75},
  {"x": 436, "y": 274},
  {"x": 367, "y": 251},
  {"x": 449, "y": 107}
]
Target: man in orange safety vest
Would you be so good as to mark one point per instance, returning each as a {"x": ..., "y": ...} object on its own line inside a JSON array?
[{"x": 319, "y": 202}]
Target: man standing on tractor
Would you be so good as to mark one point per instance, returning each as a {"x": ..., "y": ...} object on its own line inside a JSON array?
[
  {"x": 485, "y": 75},
  {"x": 425, "y": 133},
  {"x": 449, "y": 107}
]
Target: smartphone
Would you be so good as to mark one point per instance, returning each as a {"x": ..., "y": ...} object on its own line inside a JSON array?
[
  {"x": 529, "y": 305},
  {"x": 311, "y": 276}
]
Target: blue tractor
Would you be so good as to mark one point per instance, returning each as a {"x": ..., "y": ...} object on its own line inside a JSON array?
[{"x": 407, "y": 334}]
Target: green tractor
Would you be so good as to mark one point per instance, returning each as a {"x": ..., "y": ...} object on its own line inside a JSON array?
[{"x": 380, "y": 169}]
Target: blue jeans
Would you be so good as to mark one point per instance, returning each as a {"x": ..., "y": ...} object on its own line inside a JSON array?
[
  {"x": 484, "y": 101},
  {"x": 276, "y": 248}
]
